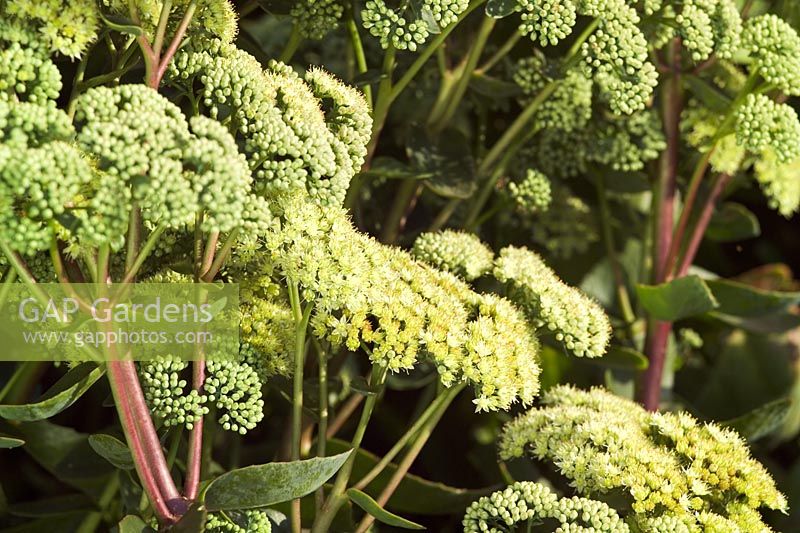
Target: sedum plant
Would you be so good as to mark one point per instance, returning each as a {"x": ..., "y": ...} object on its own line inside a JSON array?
[
  {"x": 433, "y": 211},
  {"x": 676, "y": 473}
]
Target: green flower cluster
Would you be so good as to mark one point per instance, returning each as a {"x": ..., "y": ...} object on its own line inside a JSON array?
[
  {"x": 533, "y": 503},
  {"x": 267, "y": 336},
  {"x": 41, "y": 172},
  {"x": 457, "y": 252},
  {"x": 315, "y": 18},
  {"x": 27, "y": 75},
  {"x": 568, "y": 108},
  {"x": 627, "y": 143},
  {"x": 763, "y": 124},
  {"x": 566, "y": 228},
  {"x": 700, "y": 126},
  {"x": 533, "y": 194},
  {"x": 233, "y": 388},
  {"x": 675, "y": 469},
  {"x": 624, "y": 143},
  {"x": 616, "y": 53},
  {"x": 250, "y": 521},
  {"x": 774, "y": 47},
  {"x": 368, "y": 294},
  {"x": 572, "y": 317},
  {"x": 174, "y": 168},
  {"x": 780, "y": 182},
  {"x": 50, "y": 26},
  {"x": 408, "y": 26},
  {"x": 278, "y": 119},
  {"x": 165, "y": 391},
  {"x": 211, "y": 18},
  {"x": 547, "y": 21},
  {"x": 705, "y": 27}
]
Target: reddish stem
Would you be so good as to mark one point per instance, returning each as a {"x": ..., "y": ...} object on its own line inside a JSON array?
[
  {"x": 164, "y": 60},
  {"x": 143, "y": 440},
  {"x": 195, "y": 458},
  {"x": 656, "y": 348},
  {"x": 658, "y": 332},
  {"x": 702, "y": 223},
  {"x": 673, "y": 106},
  {"x": 686, "y": 213}
]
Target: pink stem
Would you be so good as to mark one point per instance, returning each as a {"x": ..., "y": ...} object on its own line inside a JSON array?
[
  {"x": 702, "y": 224},
  {"x": 195, "y": 457}
]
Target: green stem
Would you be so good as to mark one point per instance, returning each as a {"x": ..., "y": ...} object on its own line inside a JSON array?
[
  {"x": 143, "y": 254},
  {"x": 22, "y": 271},
  {"x": 134, "y": 236},
  {"x": 501, "y": 52},
  {"x": 22, "y": 369},
  {"x": 174, "y": 444},
  {"x": 76, "y": 82},
  {"x": 222, "y": 256},
  {"x": 92, "y": 521},
  {"x": 383, "y": 101},
  {"x": 500, "y": 147},
  {"x": 421, "y": 439},
  {"x": 8, "y": 280},
  {"x": 291, "y": 45},
  {"x": 322, "y": 427},
  {"x": 623, "y": 298},
  {"x": 301, "y": 316},
  {"x": 358, "y": 51},
  {"x": 424, "y": 418},
  {"x": 394, "y": 220},
  {"x": 429, "y": 50},
  {"x": 445, "y": 214},
  {"x": 337, "y": 496},
  {"x": 158, "y": 43},
  {"x": 465, "y": 75}
]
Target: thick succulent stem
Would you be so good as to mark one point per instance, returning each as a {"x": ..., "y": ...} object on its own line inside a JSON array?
[
  {"x": 664, "y": 203},
  {"x": 337, "y": 496},
  {"x": 422, "y": 437}
]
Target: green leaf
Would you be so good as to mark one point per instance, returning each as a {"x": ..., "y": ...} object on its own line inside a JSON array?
[
  {"x": 622, "y": 357},
  {"x": 501, "y": 8},
  {"x": 742, "y": 300},
  {"x": 10, "y": 442},
  {"x": 133, "y": 524},
  {"x": 66, "y": 454},
  {"x": 733, "y": 222},
  {"x": 271, "y": 483},
  {"x": 761, "y": 421},
  {"x": 122, "y": 24},
  {"x": 112, "y": 450},
  {"x": 392, "y": 169},
  {"x": 370, "y": 506},
  {"x": 414, "y": 495},
  {"x": 64, "y": 393},
  {"x": 447, "y": 158},
  {"x": 677, "y": 299},
  {"x": 430, "y": 21},
  {"x": 712, "y": 97},
  {"x": 493, "y": 87}
]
